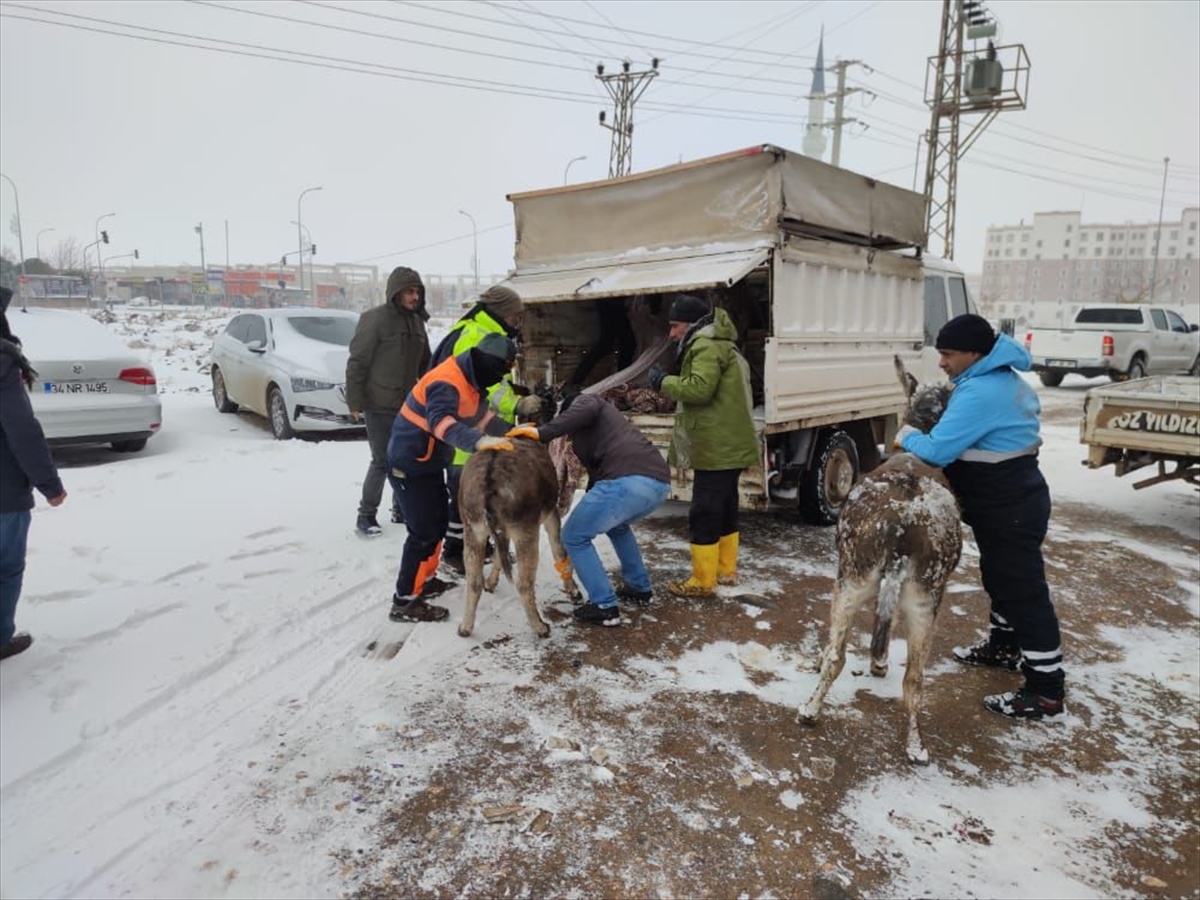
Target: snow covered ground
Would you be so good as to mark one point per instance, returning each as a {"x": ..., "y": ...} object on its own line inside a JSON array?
[{"x": 212, "y": 663}]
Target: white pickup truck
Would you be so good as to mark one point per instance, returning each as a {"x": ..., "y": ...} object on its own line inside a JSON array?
[
  {"x": 1121, "y": 340},
  {"x": 1140, "y": 423}
]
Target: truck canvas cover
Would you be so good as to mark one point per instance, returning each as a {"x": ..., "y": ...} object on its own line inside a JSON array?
[{"x": 699, "y": 224}]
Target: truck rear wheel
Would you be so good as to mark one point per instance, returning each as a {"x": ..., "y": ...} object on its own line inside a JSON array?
[
  {"x": 1137, "y": 369},
  {"x": 826, "y": 484},
  {"x": 1051, "y": 379}
]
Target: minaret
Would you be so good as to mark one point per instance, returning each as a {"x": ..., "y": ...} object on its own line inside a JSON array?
[{"x": 814, "y": 132}]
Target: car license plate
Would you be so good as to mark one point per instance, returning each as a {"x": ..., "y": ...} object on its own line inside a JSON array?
[
  {"x": 76, "y": 387},
  {"x": 1061, "y": 363}
]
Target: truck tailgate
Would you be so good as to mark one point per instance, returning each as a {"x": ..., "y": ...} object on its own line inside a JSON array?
[{"x": 1160, "y": 414}]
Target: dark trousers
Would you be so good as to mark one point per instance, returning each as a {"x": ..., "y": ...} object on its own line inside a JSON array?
[
  {"x": 1007, "y": 506},
  {"x": 423, "y": 500},
  {"x": 714, "y": 510},
  {"x": 379, "y": 431},
  {"x": 454, "y": 524},
  {"x": 14, "y": 537}
]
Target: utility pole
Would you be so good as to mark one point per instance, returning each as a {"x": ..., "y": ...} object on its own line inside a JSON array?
[
  {"x": 20, "y": 234},
  {"x": 1158, "y": 232},
  {"x": 199, "y": 229},
  {"x": 839, "y": 98},
  {"x": 989, "y": 87},
  {"x": 625, "y": 88}
]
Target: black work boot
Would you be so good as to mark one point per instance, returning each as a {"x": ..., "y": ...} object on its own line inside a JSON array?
[
  {"x": 415, "y": 609},
  {"x": 637, "y": 598},
  {"x": 1023, "y": 703},
  {"x": 366, "y": 526},
  {"x": 986, "y": 653},
  {"x": 598, "y": 615}
]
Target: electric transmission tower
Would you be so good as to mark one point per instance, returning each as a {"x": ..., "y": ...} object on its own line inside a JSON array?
[
  {"x": 625, "y": 88},
  {"x": 962, "y": 80}
]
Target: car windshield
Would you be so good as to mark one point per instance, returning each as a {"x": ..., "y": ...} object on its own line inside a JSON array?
[{"x": 327, "y": 329}]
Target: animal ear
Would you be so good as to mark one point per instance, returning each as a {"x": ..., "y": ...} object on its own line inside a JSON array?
[{"x": 906, "y": 380}]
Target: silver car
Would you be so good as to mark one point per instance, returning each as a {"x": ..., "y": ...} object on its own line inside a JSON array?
[
  {"x": 90, "y": 387},
  {"x": 288, "y": 365}
]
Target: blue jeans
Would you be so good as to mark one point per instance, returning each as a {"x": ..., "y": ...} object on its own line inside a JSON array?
[
  {"x": 14, "y": 533},
  {"x": 608, "y": 508}
]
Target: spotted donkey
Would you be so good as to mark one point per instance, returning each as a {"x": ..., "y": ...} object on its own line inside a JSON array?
[
  {"x": 511, "y": 495},
  {"x": 899, "y": 538}
]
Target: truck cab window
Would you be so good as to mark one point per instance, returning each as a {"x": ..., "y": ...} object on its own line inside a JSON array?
[
  {"x": 1177, "y": 324},
  {"x": 1159, "y": 319},
  {"x": 935, "y": 307},
  {"x": 958, "y": 297}
]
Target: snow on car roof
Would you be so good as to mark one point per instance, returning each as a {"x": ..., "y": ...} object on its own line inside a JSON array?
[{"x": 48, "y": 334}]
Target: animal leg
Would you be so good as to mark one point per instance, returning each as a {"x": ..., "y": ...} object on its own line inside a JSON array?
[
  {"x": 846, "y": 601},
  {"x": 920, "y": 608},
  {"x": 880, "y": 639},
  {"x": 474, "y": 546},
  {"x": 527, "y": 563},
  {"x": 499, "y": 561},
  {"x": 561, "y": 562}
]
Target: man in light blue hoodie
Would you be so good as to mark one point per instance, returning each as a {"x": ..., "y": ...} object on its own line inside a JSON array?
[{"x": 987, "y": 442}]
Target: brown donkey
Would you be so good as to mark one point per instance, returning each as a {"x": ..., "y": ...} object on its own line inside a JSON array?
[
  {"x": 511, "y": 495},
  {"x": 899, "y": 538}
]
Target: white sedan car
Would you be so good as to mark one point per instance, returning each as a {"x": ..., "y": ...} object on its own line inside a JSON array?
[
  {"x": 90, "y": 387},
  {"x": 288, "y": 365}
]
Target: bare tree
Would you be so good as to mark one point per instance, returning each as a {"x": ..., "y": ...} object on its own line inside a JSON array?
[
  {"x": 7, "y": 254},
  {"x": 67, "y": 255}
]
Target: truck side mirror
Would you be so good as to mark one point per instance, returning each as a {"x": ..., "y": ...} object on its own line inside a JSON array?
[{"x": 1194, "y": 327}]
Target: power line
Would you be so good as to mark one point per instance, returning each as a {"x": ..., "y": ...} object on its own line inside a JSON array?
[
  {"x": 461, "y": 237},
  {"x": 452, "y": 12},
  {"x": 348, "y": 65}
]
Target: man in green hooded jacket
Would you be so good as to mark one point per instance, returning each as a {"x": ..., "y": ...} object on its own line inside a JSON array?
[
  {"x": 388, "y": 353},
  {"x": 714, "y": 435}
]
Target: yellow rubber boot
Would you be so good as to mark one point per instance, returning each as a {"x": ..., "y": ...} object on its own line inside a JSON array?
[
  {"x": 727, "y": 551},
  {"x": 703, "y": 582}
]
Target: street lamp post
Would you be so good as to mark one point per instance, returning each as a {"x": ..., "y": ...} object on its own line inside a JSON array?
[
  {"x": 20, "y": 238},
  {"x": 38, "y": 241},
  {"x": 567, "y": 170},
  {"x": 312, "y": 279},
  {"x": 474, "y": 248},
  {"x": 299, "y": 234},
  {"x": 199, "y": 229},
  {"x": 99, "y": 264}
]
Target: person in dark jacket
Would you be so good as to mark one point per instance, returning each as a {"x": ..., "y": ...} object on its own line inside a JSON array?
[
  {"x": 444, "y": 412},
  {"x": 987, "y": 441},
  {"x": 388, "y": 353},
  {"x": 714, "y": 435},
  {"x": 627, "y": 480},
  {"x": 25, "y": 464}
]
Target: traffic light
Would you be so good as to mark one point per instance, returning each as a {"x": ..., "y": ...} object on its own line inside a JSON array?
[
  {"x": 135, "y": 255},
  {"x": 313, "y": 250},
  {"x": 104, "y": 236}
]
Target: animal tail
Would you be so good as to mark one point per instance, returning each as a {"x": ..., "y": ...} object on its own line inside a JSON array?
[
  {"x": 499, "y": 535},
  {"x": 894, "y": 575}
]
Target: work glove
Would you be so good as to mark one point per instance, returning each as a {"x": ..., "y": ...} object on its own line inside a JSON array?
[
  {"x": 487, "y": 442},
  {"x": 904, "y": 431},
  {"x": 523, "y": 431},
  {"x": 656, "y": 375}
]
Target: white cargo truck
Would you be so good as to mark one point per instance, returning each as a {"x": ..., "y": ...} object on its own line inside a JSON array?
[{"x": 819, "y": 268}]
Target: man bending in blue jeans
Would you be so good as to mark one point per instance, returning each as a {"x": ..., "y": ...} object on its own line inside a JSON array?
[{"x": 627, "y": 480}]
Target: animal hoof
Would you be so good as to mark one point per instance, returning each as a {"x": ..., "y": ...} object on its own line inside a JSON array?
[
  {"x": 464, "y": 631},
  {"x": 808, "y": 719},
  {"x": 919, "y": 757},
  {"x": 879, "y": 671},
  {"x": 544, "y": 631}
]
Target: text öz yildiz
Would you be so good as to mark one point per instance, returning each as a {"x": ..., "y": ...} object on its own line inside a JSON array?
[{"x": 1166, "y": 423}]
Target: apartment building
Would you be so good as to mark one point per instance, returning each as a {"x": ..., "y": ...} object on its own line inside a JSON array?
[{"x": 1045, "y": 271}]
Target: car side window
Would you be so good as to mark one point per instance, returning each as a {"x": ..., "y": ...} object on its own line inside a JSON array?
[
  {"x": 236, "y": 329},
  {"x": 935, "y": 307},
  {"x": 256, "y": 329},
  {"x": 1159, "y": 319},
  {"x": 958, "y": 297},
  {"x": 1177, "y": 324}
]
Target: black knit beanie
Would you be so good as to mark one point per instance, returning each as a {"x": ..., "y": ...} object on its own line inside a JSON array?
[
  {"x": 491, "y": 359},
  {"x": 687, "y": 308},
  {"x": 968, "y": 333}
]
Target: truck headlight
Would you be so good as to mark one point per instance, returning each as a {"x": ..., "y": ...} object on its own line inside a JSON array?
[{"x": 299, "y": 385}]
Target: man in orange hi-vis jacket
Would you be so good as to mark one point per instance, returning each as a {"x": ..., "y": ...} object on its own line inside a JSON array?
[{"x": 445, "y": 411}]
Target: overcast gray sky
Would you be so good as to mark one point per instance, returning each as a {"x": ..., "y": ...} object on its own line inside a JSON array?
[{"x": 455, "y": 105}]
